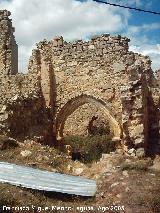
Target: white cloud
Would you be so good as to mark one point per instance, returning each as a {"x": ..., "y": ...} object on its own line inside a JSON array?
[
  {"x": 152, "y": 50},
  {"x": 35, "y": 20},
  {"x": 141, "y": 43},
  {"x": 145, "y": 27}
]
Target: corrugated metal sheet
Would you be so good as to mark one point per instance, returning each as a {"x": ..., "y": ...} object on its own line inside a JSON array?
[{"x": 43, "y": 180}]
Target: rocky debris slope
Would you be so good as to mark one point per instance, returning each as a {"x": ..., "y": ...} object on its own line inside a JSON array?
[{"x": 125, "y": 181}]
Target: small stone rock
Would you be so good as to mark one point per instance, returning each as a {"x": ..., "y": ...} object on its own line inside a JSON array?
[
  {"x": 104, "y": 156},
  {"x": 96, "y": 176},
  {"x": 125, "y": 173},
  {"x": 124, "y": 184},
  {"x": 114, "y": 184},
  {"x": 69, "y": 167},
  {"x": 132, "y": 151},
  {"x": 112, "y": 153},
  {"x": 3, "y": 109},
  {"x": 138, "y": 141},
  {"x": 26, "y": 153},
  {"x": 140, "y": 153},
  {"x": 133, "y": 155},
  {"x": 102, "y": 194},
  {"x": 119, "y": 196},
  {"x": 152, "y": 174},
  {"x": 40, "y": 158},
  {"x": 108, "y": 174},
  {"x": 46, "y": 158},
  {"x": 15, "y": 98},
  {"x": 127, "y": 189},
  {"x": 91, "y": 47},
  {"x": 78, "y": 171},
  {"x": 127, "y": 160}
]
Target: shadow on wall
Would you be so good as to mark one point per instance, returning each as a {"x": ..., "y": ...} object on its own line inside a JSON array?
[
  {"x": 49, "y": 94},
  {"x": 153, "y": 147},
  {"x": 98, "y": 127}
]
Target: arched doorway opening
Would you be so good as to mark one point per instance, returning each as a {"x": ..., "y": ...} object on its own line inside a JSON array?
[
  {"x": 93, "y": 143},
  {"x": 76, "y": 102}
]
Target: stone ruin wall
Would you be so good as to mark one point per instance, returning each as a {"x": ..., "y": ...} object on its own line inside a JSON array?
[
  {"x": 102, "y": 69},
  {"x": 23, "y": 111},
  {"x": 78, "y": 122},
  {"x": 77, "y": 80},
  {"x": 154, "y": 114},
  {"x": 8, "y": 46}
]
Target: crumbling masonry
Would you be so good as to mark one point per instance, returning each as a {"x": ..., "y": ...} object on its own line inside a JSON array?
[{"x": 69, "y": 83}]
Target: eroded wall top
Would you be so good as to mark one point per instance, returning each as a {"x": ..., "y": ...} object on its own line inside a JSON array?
[
  {"x": 101, "y": 67},
  {"x": 8, "y": 46}
]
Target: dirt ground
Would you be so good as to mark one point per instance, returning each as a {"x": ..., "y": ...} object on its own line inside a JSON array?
[{"x": 124, "y": 183}]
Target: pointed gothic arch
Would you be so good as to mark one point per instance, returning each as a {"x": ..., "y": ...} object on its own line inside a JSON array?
[{"x": 78, "y": 101}]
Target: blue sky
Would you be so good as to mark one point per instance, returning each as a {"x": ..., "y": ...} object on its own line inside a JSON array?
[
  {"x": 140, "y": 19},
  {"x": 35, "y": 20}
]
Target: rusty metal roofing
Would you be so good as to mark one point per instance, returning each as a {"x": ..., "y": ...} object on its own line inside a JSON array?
[{"x": 44, "y": 180}]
